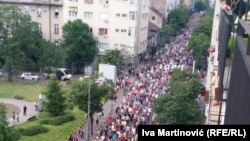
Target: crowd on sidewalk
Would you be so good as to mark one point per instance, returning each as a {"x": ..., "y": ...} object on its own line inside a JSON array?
[{"x": 150, "y": 83}]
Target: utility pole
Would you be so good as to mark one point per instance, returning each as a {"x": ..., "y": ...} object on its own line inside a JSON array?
[{"x": 89, "y": 120}]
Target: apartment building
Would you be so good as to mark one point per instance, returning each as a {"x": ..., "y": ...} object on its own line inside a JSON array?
[
  {"x": 47, "y": 13},
  {"x": 161, "y": 6},
  {"x": 228, "y": 75},
  {"x": 117, "y": 24}
]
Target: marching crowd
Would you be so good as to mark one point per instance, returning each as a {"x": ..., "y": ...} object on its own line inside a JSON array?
[{"x": 150, "y": 83}]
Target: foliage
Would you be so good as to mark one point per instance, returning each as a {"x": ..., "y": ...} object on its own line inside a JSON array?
[
  {"x": 22, "y": 46},
  {"x": 178, "y": 17},
  {"x": 98, "y": 92},
  {"x": 113, "y": 57},
  {"x": 51, "y": 55},
  {"x": 59, "y": 120},
  {"x": 200, "y": 40},
  {"x": 7, "y": 133},
  {"x": 201, "y": 5},
  {"x": 34, "y": 130},
  {"x": 178, "y": 105},
  {"x": 169, "y": 30},
  {"x": 199, "y": 44},
  {"x": 81, "y": 49},
  {"x": 55, "y": 100},
  {"x": 55, "y": 133}
]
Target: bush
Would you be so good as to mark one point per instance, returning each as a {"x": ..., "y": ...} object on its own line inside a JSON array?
[
  {"x": 34, "y": 130},
  {"x": 46, "y": 121},
  {"x": 18, "y": 97},
  {"x": 61, "y": 120}
]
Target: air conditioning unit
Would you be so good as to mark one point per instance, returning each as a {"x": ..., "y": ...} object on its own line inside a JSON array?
[
  {"x": 105, "y": 36},
  {"x": 106, "y": 20},
  {"x": 106, "y": 5}
]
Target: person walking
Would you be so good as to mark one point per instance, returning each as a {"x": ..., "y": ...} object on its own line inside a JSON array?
[
  {"x": 14, "y": 117},
  {"x": 17, "y": 117},
  {"x": 24, "y": 110}
]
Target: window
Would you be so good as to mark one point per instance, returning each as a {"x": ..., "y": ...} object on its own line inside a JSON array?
[
  {"x": 56, "y": 13},
  {"x": 91, "y": 30},
  {"x": 102, "y": 46},
  {"x": 72, "y": 14},
  {"x": 103, "y": 31},
  {"x": 39, "y": 12},
  {"x": 123, "y": 30},
  {"x": 117, "y": 15},
  {"x": 26, "y": 11},
  {"x": 88, "y": 14},
  {"x": 103, "y": 15},
  {"x": 56, "y": 28},
  {"x": 88, "y": 1},
  {"x": 131, "y": 31},
  {"x": 40, "y": 27},
  {"x": 132, "y": 1},
  {"x": 124, "y": 15},
  {"x": 153, "y": 18},
  {"x": 132, "y": 15},
  {"x": 116, "y": 30}
]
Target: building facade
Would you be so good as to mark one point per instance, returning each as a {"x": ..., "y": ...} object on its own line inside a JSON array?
[
  {"x": 47, "y": 13},
  {"x": 117, "y": 24},
  {"x": 162, "y": 6}
]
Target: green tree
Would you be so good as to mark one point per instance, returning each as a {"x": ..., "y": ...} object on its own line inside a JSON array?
[
  {"x": 79, "y": 43},
  {"x": 201, "y": 5},
  {"x": 98, "y": 93},
  {"x": 178, "y": 105},
  {"x": 169, "y": 30},
  {"x": 55, "y": 100},
  {"x": 114, "y": 57},
  {"x": 14, "y": 26},
  {"x": 178, "y": 17},
  {"x": 6, "y": 133},
  {"x": 51, "y": 55}
]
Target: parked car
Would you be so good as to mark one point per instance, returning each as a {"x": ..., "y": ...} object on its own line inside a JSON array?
[
  {"x": 1, "y": 74},
  {"x": 29, "y": 76},
  {"x": 63, "y": 74}
]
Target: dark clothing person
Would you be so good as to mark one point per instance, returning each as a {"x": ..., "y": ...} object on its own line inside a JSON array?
[{"x": 24, "y": 110}]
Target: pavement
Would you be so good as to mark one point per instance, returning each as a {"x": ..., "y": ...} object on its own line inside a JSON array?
[{"x": 19, "y": 104}]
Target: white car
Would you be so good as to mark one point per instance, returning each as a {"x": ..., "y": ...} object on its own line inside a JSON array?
[{"x": 29, "y": 76}]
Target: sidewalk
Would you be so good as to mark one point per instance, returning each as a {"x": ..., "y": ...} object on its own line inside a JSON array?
[{"x": 19, "y": 104}]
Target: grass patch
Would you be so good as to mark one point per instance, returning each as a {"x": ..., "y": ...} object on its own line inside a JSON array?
[
  {"x": 55, "y": 133},
  {"x": 29, "y": 92}
]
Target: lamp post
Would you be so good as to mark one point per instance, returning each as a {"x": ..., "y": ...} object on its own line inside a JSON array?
[{"x": 88, "y": 112}]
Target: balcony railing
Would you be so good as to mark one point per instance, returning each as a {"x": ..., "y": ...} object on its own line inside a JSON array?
[
  {"x": 238, "y": 101},
  {"x": 225, "y": 28},
  {"x": 42, "y": 2}
]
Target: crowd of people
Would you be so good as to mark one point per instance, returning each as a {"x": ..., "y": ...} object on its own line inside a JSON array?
[{"x": 150, "y": 82}]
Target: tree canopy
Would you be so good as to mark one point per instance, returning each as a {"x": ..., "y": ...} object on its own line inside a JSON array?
[
  {"x": 201, "y": 5},
  {"x": 200, "y": 40},
  {"x": 178, "y": 105},
  {"x": 55, "y": 100},
  {"x": 114, "y": 57},
  {"x": 22, "y": 46},
  {"x": 79, "y": 43},
  {"x": 98, "y": 93}
]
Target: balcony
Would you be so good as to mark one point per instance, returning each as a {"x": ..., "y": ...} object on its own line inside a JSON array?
[
  {"x": 238, "y": 102},
  {"x": 41, "y": 2}
]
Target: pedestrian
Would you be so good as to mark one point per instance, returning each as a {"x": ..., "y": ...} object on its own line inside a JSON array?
[
  {"x": 14, "y": 117},
  {"x": 24, "y": 110},
  {"x": 17, "y": 117}
]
